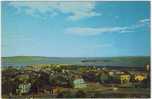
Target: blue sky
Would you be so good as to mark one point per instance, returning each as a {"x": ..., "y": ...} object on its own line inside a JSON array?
[{"x": 75, "y": 29}]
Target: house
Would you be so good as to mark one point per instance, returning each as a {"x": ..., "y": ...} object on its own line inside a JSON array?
[
  {"x": 79, "y": 83},
  {"x": 23, "y": 88},
  {"x": 111, "y": 73},
  {"x": 103, "y": 77},
  {"x": 125, "y": 78},
  {"x": 122, "y": 78},
  {"x": 147, "y": 67},
  {"x": 139, "y": 77}
]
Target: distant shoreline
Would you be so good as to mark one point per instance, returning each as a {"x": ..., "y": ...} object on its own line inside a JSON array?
[
  {"x": 100, "y": 61},
  {"x": 77, "y": 57}
]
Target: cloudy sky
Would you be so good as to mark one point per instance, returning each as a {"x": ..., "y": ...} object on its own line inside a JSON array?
[{"x": 75, "y": 29}]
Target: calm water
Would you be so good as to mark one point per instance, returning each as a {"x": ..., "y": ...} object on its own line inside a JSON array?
[{"x": 77, "y": 61}]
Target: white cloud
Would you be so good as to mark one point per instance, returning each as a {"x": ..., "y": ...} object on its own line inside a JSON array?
[
  {"x": 93, "y": 31},
  {"x": 89, "y": 31},
  {"x": 140, "y": 23},
  {"x": 126, "y": 31},
  {"x": 144, "y": 21},
  {"x": 75, "y": 10}
]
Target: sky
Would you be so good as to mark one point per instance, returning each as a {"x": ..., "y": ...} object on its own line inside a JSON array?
[{"x": 75, "y": 29}]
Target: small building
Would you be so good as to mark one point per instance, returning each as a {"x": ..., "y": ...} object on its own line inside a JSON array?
[
  {"x": 79, "y": 83},
  {"x": 139, "y": 77},
  {"x": 103, "y": 77},
  {"x": 111, "y": 73},
  {"x": 24, "y": 88},
  {"x": 122, "y": 78},
  {"x": 147, "y": 67},
  {"x": 125, "y": 78}
]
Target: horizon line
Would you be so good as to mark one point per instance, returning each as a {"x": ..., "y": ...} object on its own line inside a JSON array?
[{"x": 78, "y": 56}]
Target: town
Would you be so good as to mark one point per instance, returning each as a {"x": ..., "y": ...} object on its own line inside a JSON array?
[
  {"x": 75, "y": 49},
  {"x": 69, "y": 81}
]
